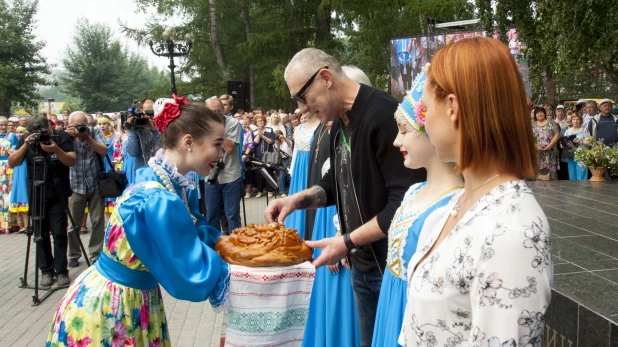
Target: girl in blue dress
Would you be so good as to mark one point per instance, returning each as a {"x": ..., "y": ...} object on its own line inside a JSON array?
[
  {"x": 299, "y": 170},
  {"x": 114, "y": 148},
  {"x": 128, "y": 165},
  {"x": 8, "y": 141},
  {"x": 155, "y": 236},
  {"x": 421, "y": 208},
  {"x": 19, "y": 193},
  {"x": 332, "y": 298}
]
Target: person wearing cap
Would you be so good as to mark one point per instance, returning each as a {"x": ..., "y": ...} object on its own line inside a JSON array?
[
  {"x": 561, "y": 118},
  {"x": 12, "y": 124},
  {"x": 604, "y": 126}
]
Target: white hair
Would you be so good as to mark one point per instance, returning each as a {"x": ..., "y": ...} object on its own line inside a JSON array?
[
  {"x": 355, "y": 74},
  {"x": 71, "y": 116},
  {"x": 309, "y": 61}
]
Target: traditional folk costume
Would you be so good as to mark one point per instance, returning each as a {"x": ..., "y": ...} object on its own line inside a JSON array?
[
  {"x": 114, "y": 153},
  {"x": 403, "y": 234},
  {"x": 332, "y": 319},
  {"x": 299, "y": 171},
  {"x": 19, "y": 189},
  {"x": 8, "y": 141},
  {"x": 155, "y": 235}
]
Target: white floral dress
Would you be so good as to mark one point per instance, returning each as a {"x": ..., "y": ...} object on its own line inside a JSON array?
[{"x": 489, "y": 282}]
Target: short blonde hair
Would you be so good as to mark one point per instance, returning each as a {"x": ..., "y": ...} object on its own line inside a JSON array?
[{"x": 227, "y": 98}]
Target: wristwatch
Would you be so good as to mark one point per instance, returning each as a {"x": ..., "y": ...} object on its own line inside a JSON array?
[{"x": 352, "y": 248}]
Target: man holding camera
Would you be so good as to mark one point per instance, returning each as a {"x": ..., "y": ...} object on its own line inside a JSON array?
[
  {"x": 60, "y": 155},
  {"x": 142, "y": 136},
  {"x": 90, "y": 143},
  {"x": 227, "y": 189}
]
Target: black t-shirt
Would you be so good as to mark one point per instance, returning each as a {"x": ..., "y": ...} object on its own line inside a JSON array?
[{"x": 57, "y": 172}]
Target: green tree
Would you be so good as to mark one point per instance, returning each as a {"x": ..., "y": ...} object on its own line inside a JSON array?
[
  {"x": 22, "y": 68},
  {"x": 103, "y": 74},
  {"x": 572, "y": 44}
]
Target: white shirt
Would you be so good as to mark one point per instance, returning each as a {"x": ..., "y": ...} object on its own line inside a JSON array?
[{"x": 489, "y": 282}]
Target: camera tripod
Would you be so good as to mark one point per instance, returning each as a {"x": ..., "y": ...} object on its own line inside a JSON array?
[{"x": 37, "y": 209}]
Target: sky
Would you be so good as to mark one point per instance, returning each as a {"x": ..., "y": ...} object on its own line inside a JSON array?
[{"x": 56, "y": 19}]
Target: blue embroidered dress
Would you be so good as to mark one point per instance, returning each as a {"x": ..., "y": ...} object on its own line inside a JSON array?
[
  {"x": 299, "y": 173},
  {"x": 332, "y": 319},
  {"x": 128, "y": 165},
  {"x": 151, "y": 239},
  {"x": 402, "y": 241}
]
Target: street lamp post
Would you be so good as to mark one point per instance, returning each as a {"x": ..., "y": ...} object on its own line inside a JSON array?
[
  {"x": 170, "y": 49},
  {"x": 49, "y": 102}
]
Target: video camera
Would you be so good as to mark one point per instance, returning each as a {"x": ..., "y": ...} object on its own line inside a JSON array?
[
  {"x": 42, "y": 136},
  {"x": 139, "y": 119}
]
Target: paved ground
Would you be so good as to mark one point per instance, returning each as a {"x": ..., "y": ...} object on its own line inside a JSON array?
[{"x": 191, "y": 324}]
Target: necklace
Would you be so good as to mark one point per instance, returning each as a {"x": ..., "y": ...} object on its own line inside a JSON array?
[
  {"x": 163, "y": 176},
  {"x": 457, "y": 207},
  {"x": 317, "y": 148}
]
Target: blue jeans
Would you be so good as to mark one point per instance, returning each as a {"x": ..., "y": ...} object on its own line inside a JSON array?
[
  {"x": 282, "y": 179},
  {"x": 366, "y": 292},
  {"x": 228, "y": 195}
]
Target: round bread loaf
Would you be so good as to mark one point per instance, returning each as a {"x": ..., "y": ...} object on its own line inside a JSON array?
[{"x": 263, "y": 245}]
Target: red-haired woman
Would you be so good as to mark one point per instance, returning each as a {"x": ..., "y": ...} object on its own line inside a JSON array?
[{"x": 482, "y": 276}]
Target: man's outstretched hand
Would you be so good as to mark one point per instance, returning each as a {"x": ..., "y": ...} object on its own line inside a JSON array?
[
  {"x": 333, "y": 250},
  {"x": 278, "y": 209}
]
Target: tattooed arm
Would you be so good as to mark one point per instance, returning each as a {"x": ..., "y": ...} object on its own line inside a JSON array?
[{"x": 314, "y": 197}]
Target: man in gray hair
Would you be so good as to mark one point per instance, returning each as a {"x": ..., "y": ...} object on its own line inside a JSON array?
[
  {"x": 591, "y": 111},
  {"x": 356, "y": 74},
  {"x": 90, "y": 143},
  {"x": 366, "y": 179}
]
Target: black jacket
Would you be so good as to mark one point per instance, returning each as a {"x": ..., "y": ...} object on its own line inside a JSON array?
[{"x": 379, "y": 177}]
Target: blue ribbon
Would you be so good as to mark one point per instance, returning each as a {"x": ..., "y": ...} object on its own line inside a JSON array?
[{"x": 116, "y": 272}]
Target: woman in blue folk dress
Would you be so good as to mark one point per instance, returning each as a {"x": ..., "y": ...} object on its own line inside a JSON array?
[
  {"x": 128, "y": 165},
  {"x": 19, "y": 193},
  {"x": 300, "y": 170},
  {"x": 332, "y": 298},
  {"x": 420, "y": 209},
  {"x": 8, "y": 141},
  {"x": 155, "y": 235},
  {"x": 114, "y": 148}
]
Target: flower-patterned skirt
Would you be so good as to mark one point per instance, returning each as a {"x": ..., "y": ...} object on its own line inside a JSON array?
[{"x": 98, "y": 312}]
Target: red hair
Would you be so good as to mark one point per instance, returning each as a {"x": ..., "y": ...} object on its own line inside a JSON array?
[{"x": 494, "y": 119}]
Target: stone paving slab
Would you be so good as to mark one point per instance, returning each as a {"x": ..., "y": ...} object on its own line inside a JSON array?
[{"x": 190, "y": 324}]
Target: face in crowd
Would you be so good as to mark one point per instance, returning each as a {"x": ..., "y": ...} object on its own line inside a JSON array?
[{"x": 591, "y": 109}]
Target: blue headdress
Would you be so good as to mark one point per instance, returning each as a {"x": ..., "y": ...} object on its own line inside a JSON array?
[{"x": 411, "y": 108}]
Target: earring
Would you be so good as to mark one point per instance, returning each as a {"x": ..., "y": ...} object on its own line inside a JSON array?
[{"x": 189, "y": 149}]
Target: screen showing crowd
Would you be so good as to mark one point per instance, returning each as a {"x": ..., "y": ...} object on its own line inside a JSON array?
[{"x": 410, "y": 54}]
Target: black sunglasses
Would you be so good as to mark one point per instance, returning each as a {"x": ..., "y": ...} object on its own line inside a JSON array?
[{"x": 299, "y": 96}]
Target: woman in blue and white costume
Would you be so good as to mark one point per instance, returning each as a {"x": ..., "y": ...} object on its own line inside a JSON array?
[
  {"x": 332, "y": 297},
  {"x": 422, "y": 207},
  {"x": 299, "y": 170},
  {"x": 155, "y": 235}
]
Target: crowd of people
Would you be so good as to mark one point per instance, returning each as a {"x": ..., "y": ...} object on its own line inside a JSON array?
[
  {"x": 423, "y": 227},
  {"x": 560, "y": 132}
]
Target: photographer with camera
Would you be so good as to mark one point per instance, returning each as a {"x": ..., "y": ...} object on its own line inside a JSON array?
[
  {"x": 226, "y": 191},
  {"x": 90, "y": 143},
  {"x": 60, "y": 154},
  {"x": 142, "y": 137}
]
